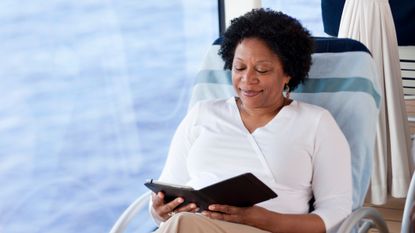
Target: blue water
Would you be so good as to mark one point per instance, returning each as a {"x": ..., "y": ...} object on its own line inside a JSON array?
[{"x": 91, "y": 92}]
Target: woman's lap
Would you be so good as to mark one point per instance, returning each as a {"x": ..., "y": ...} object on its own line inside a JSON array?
[{"x": 197, "y": 223}]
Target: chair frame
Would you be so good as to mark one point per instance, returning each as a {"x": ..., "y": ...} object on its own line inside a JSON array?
[
  {"x": 122, "y": 222},
  {"x": 365, "y": 218},
  {"x": 407, "y": 224},
  {"x": 362, "y": 218}
]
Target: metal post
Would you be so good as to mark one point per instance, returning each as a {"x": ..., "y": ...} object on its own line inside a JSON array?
[{"x": 221, "y": 14}]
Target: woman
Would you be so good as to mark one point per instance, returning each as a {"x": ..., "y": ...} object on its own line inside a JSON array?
[{"x": 295, "y": 148}]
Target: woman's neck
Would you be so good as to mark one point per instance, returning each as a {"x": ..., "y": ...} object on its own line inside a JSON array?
[
  {"x": 259, "y": 117},
  {"x": 263, "y": 111}
]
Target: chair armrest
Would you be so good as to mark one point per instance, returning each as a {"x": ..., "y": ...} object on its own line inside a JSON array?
[
  {"x": 128, "y": 214},
  {"x": 364, "y": 214},
  {"x": 406, "y": 219}
]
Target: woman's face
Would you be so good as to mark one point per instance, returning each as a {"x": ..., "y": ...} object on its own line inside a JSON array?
[{"x": 257, "y": 75}]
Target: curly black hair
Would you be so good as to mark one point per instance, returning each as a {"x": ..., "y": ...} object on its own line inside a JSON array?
[{"x": 284, "y": 35}]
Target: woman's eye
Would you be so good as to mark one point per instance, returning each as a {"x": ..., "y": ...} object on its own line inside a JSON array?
[
  {"x": 262, "y": 71},
  {"x": 239, "y": 68}
]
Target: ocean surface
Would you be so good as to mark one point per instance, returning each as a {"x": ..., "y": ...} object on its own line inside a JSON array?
[{"x": 91, "y": 93}]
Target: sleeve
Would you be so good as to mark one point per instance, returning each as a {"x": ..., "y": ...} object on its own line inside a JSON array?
[
  {"x": 175, "y": 168},
  {"x": 332, "y": 174}
]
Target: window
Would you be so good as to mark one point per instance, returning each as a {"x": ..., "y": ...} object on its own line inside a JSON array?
[
  {"x": 92, "y": 92},
  {"x": 307, "y": 12}
]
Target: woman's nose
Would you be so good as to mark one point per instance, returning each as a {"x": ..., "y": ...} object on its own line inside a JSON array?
[{"x": 250, "y": 76}]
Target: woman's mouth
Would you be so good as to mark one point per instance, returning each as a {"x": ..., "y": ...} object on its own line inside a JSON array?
[{"x": 250, "y": 93}]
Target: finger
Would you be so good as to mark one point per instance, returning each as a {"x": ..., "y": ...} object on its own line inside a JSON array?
[
  {"x": 158, "y": 203},
  {"x": 169, "y": 207},
  {"x": 214, "y": 215},
  {"x": 223, "y": 216},
  {"x": 225, "y": 209},
  {"x": 158, "y": 199},
  {"x": 188, "y": 208}
]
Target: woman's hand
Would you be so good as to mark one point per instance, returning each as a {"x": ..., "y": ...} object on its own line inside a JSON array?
[
  {"x": 165, "y": 210},
  {"x": 264, "y": 219},
  {"x": 252, "y": 216}
]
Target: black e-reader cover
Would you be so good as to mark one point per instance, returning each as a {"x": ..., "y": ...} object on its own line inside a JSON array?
[{"x": 242, "y": 191}]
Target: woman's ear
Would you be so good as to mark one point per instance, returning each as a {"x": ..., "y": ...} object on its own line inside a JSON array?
[
  {"x": 287, "y": 87},
  {"x": 287, "y": 80}
]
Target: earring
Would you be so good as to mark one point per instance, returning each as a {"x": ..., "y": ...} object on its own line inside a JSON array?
[{"x": 287, "y": 91}]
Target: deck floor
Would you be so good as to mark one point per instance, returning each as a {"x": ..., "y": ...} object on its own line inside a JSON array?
[{"x": 392, "y": 212}]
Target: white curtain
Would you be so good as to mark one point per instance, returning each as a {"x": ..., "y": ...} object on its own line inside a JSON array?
[{"x": 371, "y": 22}]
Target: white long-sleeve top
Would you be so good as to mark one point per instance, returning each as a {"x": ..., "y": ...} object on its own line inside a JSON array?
[{"x": 301, "y": 152}]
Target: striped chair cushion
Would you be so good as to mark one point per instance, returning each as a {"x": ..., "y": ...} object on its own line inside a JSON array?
[{"x": 342, "y": 79}]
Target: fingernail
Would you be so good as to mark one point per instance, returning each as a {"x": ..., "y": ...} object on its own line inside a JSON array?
[
  {"x": 211, "y": 207},
  {"x": 180, "y": 200},
  {"x": 192, "y": 206}
]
